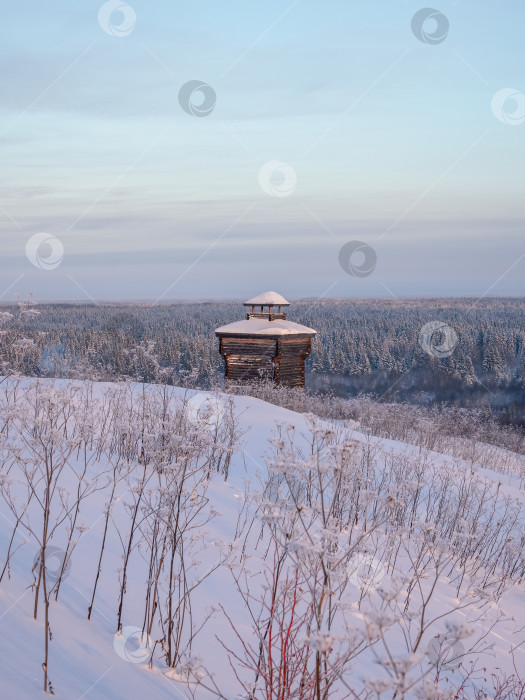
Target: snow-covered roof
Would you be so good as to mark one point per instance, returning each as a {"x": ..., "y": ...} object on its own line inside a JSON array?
[
  {"x": 267, "y": 299},
  {"x": 264, "y": 327}
]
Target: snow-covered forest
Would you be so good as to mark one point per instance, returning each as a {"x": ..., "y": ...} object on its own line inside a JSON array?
[{"x": 363, "y": 346}]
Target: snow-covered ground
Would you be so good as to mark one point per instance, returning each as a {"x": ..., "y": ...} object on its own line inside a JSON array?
[{"x": 241, "y": 525}]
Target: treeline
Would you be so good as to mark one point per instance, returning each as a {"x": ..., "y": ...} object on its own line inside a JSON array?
[{"x": 363, "y": 346}]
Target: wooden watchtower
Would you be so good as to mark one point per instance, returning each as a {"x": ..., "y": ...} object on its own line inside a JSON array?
[{"x": 265, "y": 345}]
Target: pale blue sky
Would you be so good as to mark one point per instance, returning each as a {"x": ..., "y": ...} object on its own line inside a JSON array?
[{"x": 393, "y": 142}]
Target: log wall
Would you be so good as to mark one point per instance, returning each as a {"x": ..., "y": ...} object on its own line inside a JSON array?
[
  {"x": 281, "y": 360},
  {"x": 290, "y": 360}
]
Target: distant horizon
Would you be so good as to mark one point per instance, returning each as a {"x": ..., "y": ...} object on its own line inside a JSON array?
[{"x": 239, "y": 300}]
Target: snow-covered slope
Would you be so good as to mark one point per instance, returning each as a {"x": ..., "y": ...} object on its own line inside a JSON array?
[{"x": 238, "y": 527}]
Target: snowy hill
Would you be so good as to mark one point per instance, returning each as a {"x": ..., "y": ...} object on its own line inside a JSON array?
[{"x": 244, "y": 550}]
